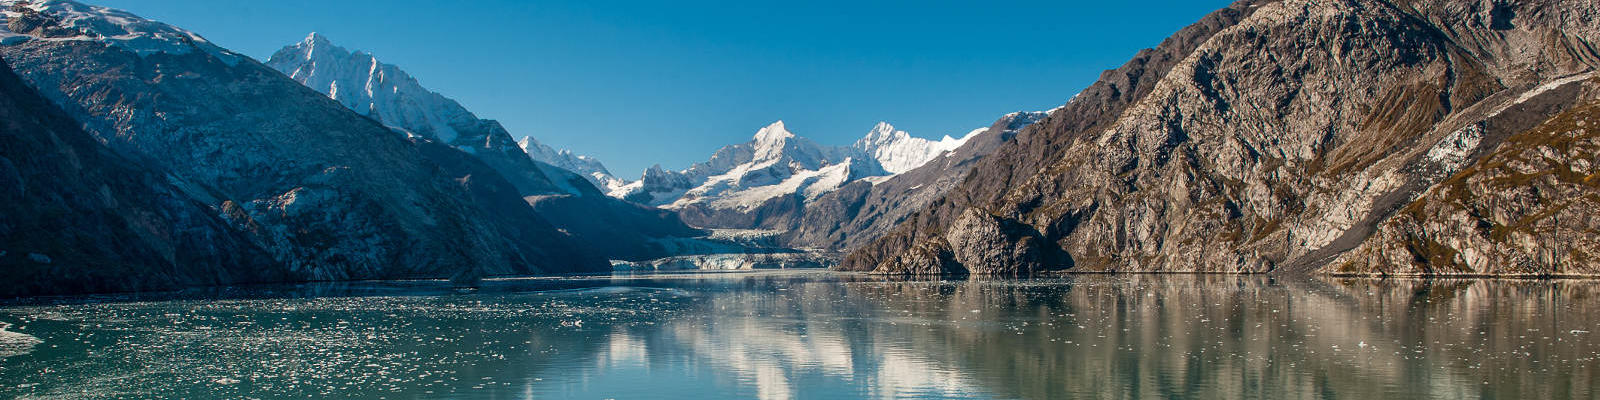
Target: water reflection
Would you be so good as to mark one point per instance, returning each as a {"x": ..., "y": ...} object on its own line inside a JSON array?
[{"x": 824, "y": 335}]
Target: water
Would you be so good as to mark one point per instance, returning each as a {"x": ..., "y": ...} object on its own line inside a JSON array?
[{"x": 818, "y": 335}]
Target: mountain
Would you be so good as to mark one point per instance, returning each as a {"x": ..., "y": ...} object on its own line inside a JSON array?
[
  {"x": 388, "y": 94},
  {"x": 326, "y": 193},
  {"x": 862, "y": 211},
  {"x": 765, "y": 183},
  {"x": 897, "y": 152},
  {"x": 558, "y": 184},
  {"x": 587, "y": 166},
  {"x": 80, "y": 218},
  {"x": 1296, "y": 136}
]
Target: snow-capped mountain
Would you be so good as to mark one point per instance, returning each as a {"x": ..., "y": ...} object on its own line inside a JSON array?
[
  {"x": 60, "y": 21},
  {"x": 388, "y": 94},
  {"x": 324, "y": 193},
  {"x": 773, "y": 163},
  {"x": 898, "y": 152},
  {"x": 777, "y": 172},
  {"x": 587, "y": 166},
  {"x": 777, "y": 163}
]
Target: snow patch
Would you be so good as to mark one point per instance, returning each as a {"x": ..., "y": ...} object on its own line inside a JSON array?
[{"x": 74, "y": 21}]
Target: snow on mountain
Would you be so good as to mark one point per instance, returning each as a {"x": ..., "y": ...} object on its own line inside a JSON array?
[
  {"x": 388, "y": 94},
  {"x": 587, "y": 166},
  {"x": 776, "y": 162},
  {"x": 780, "y": 163},
  {"x": 61, "y": 20},
  {"x": 898, "y": 152}
]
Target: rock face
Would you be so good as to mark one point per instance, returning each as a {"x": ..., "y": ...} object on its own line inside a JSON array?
[
  {"x": 329, "y": 194},
  {"x": 1270, "y": 136},
  {"x": 558, "y": 184},
  {"x": 989, "y": 245},
  {"x": 1530, "y": 207},
  {"x": 79, "y": 218}
]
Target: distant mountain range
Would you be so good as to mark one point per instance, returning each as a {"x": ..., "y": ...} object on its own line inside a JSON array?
[
  {"x": 776, "y": 164},
  {"x": 719, "y": 193}
]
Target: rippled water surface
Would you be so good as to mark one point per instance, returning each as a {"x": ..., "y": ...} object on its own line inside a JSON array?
[{"x": 817, "y": 335}]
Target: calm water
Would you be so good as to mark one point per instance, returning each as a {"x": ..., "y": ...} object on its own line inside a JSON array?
[{"x": 818, "y": 335}]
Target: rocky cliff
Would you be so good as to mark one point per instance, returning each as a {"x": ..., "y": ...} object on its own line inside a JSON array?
[
  {"x": 80, "y": 218},
  {"x": 1528, "y": 207},
  {"x": 1270, "y": 136}
]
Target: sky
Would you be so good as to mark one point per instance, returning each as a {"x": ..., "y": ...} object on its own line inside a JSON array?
[{"x": 636, "y": 83}]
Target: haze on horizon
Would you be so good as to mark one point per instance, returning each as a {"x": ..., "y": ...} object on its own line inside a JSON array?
[{"x": 640, "y": 83}]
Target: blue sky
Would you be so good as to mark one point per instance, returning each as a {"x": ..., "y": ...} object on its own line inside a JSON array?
[{"x": 638, "y": 83}]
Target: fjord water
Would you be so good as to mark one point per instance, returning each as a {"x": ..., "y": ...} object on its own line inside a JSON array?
[{"x": 818, "y": 335}]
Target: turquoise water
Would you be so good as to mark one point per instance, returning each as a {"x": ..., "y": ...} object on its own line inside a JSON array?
[{"x": 815, "y": 334}]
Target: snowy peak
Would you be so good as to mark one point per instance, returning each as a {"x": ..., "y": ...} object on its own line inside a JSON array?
[
  {"x": 375, "y": 89},
  {"x": 589, "y": 167},
  {"x": 898, "y": 152},
  {"x": 773, "y": 133},
  {"x": 771, "y": 141},
  {"x": 883, "y": 132},
  {"x": 64, "y": 20},
  {"x": 314, "y": 39},
  {"x": 388, "y": 94}
]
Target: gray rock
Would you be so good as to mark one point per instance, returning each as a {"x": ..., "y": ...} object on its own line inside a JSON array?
[
  {"x": 989, "y": 245},
  {"x": 84, "y": 219}
]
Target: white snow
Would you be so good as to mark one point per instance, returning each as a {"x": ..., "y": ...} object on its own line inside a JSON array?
[
  {"x": 898, "y": 152},
  {"x": 116, "y": 28},
  {"x": 361, "y": 83},
  {"x": 384, "y": 92},
  {"x": 777, "y": 162}
]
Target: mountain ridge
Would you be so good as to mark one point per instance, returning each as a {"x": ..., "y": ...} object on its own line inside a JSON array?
[{"x": 1202, "y": 155}]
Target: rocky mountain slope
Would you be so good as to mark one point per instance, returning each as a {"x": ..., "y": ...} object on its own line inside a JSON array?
[
  {"x": 1277, "y": 136},
  {"x": 80, "y": 218},
  {"x": 1525, "y": 208},
  {"x": 327, "y": 193},
  {"x": 547, "y": 179}
]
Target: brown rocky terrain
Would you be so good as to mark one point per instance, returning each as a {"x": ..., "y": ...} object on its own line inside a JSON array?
[{"x": 1272, "y": 136}]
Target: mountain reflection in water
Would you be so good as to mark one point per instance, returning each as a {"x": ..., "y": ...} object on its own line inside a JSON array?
[{"x": 814, "y": 334}]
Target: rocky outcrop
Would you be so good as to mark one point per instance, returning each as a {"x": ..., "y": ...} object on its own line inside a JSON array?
[
  {"x": 990, "y": 245},
  {"x": 80, "y": 218},
  {"x": 1271, "y": 136}
]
